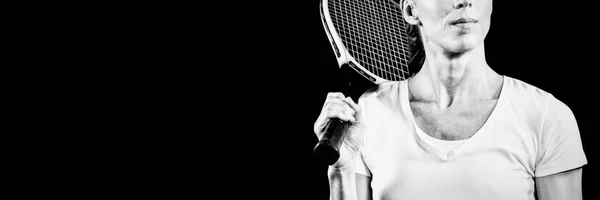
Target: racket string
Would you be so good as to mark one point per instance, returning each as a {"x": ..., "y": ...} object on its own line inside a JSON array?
[{"x": 374, "y": 33}]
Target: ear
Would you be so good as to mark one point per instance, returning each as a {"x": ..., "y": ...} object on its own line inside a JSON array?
[{"x": 409, "y": 12}]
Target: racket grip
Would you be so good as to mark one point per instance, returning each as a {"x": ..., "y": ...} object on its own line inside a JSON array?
[{"x": 327, "y": 151}]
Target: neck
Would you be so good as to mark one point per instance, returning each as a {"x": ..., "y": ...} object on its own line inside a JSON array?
[{"x": 448, "y": 78}]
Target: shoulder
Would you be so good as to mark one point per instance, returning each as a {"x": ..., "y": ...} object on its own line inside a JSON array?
[
  {"x": 527, "y": 97},
  {"x": 384, "y": 97},
  {"x": 535, "y": 104},
  {"x": 524, "y": 91},
  {"x": 386, "y": 91}
]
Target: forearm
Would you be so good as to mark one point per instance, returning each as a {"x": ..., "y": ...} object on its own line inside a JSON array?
[{"x": 342, "y": 184}]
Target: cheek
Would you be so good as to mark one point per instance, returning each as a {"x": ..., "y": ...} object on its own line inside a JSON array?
[
  {"x": 433, "y": 15},
  {"x": 431, "y": 26},
  {"x": 434, "y": 29},
  {"x": 434, "y": 10},
  {"x": 487, "y": 8},
  {"x": 485, "y": 25}
]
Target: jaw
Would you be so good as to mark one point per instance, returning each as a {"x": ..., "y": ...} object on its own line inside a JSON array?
[
  {"x": 462, "y": 41},
  {"x": 453, "y": 48}
]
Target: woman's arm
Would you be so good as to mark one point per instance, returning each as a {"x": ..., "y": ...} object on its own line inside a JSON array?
[
  {"x": 342, "y": 183},
  {"x": 345, "y": 184},
  {"x": 564, "y": 185},
  {"x": 363, "y": 187}
]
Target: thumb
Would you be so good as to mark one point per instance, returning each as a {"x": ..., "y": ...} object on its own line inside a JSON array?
[{"x": 355, "y": 107}]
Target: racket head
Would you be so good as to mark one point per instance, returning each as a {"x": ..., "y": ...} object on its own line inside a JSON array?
[{"x": 369, "y": 36}]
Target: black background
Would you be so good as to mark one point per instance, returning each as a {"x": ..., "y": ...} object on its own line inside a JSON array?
[{"x": 292, "y": 67}]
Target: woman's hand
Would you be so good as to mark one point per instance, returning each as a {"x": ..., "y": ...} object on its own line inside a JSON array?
[{"x": 344, "y": 108}]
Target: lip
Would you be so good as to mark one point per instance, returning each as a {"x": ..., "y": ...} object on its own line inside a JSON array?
[{"x": 462, "y": 21}]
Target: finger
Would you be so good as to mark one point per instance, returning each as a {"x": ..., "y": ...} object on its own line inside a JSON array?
[
  {"x": 355, "y": 107},
  {"x": 350, "y": 114},
  {"x": 352, "y": 104},
  {"x": 331, "y": 110},
  {"x": 338, "y": 104},
  {"x": 341, "y": 105},
  {"x": 335, "y": 95},
  {"x": 321, "y": 124},
  {"x": 337, "y": 115}
]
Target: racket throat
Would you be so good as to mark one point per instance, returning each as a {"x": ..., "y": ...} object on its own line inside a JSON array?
[{"x": 355, "y": 81}]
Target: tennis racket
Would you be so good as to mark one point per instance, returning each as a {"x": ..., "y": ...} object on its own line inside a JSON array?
[{"x": 370, "y": 42}]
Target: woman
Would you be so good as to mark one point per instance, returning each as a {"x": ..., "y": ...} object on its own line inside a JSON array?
[{"x": 456, "y": 129}]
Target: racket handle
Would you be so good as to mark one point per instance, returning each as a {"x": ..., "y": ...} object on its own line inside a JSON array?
[{"x": 327, "y": 150}]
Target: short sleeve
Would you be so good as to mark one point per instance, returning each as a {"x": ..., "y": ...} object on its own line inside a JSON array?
[{"x": 560, "y": 147}]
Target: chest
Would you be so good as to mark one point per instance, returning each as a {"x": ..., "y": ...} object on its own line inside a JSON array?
[
  {"x": 487, "y": 175},
  {"x": 454, "y": 123}
]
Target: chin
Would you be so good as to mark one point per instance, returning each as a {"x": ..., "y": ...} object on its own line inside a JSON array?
[{"x": 464, "y": 43}]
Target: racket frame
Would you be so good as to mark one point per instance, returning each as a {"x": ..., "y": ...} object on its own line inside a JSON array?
[{"x": 342, "y": 55}]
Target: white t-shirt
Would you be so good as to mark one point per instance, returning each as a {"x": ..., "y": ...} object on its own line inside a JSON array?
[{"x": 529, "y": 134}]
